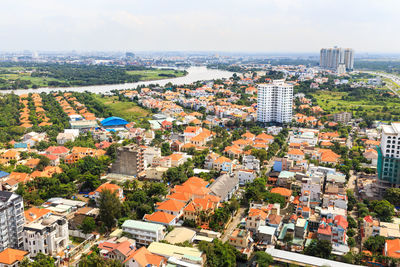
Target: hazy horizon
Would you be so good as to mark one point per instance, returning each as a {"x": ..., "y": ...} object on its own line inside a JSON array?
[{"x": 253, "y": 27}]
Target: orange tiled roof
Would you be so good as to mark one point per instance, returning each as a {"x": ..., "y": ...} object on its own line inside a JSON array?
[
  {"x": 160, "y": 217},
  {"x": 144, "y": 257},
  {"x": 10, "y": 256},
  {"x": 171, "y": 205},
  {"x": 35, "y": 213},
  {"x": 282, "y": 191},
  {"x": 108, "y": 186},
  {"x": 258, "y": 213},
  {"x": 296, "y": 151},
  {"x": 393, "y": 248}
]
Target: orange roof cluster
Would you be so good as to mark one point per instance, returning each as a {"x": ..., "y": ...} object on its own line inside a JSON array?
[
  {"x": 71, "y": 106},
  {"x": 38, "y": 110}
]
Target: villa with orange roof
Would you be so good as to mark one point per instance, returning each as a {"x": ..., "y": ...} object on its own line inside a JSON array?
[
  {"x": 110, "y": 187},
  {"x": 161, "y": 217},
  {"x": 255, "y": 218},
  {"x": 142, "y": 257},
  {"x": 287, "y": 193},
  {"x": 116, "y": 250},
  {"x": 296, "y": 154},
  {"x": 171, "y": 206},
  {"x": 12, "y": 257}
]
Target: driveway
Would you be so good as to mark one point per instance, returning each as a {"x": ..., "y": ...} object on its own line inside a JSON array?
[{"x": 232, "y": 225}]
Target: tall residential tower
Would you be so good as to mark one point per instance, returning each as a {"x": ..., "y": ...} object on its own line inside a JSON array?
[
  {"x": 275, "y": 102},
  {"x": 12, "y": 220},
  {"x": 389, "y": 154},
  {"x": 337, "y": 58}
]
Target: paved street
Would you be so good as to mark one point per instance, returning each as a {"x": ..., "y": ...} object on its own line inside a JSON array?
[{"x": 232, "y": 225}]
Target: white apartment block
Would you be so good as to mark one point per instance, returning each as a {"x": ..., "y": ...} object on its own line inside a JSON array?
[
  {"x": 47, "y": 235},
  {"x": 389, "y": 154},
  {"x": 275, "y": 102},
  {"x": 11, "y": 220},
  {"x": 144, "y": 233}
]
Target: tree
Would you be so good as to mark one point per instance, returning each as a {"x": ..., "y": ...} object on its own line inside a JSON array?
[
  {"x": 44, "y": 162},
  {"x": 319, "y": 248},
  {"x": 219, "y": 254},
  {"x": 88, "y": 225},
  {"x": 23, "y": 168},
  {"x": 263, "y": 259},
  {"x": 352, "y": 222},
  {"x": 375, "y": 244},
  {"x": 110, "y": 208},
  {"x": 165, "y": 149},
  {"x": 351, "y": 242},
  {"x": 41, "y": 260},
  {"x": 96, "y": 260},
  {"x": 393, "y": 196},
  {"x": 383, "y": 209}
]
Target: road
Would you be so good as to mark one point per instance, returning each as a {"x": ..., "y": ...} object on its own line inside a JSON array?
[
  {"x": 233, "y": 224},
  {"x": 394, "y": 78}
]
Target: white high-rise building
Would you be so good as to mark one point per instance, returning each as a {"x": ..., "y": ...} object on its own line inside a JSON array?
[
  {"x": 12, "y": 220},
  {"x": 336, "y": 58},
  {"x": 275, "y": 102}
]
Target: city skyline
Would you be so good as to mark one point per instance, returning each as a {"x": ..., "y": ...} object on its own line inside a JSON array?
[{"x": 230, "y": 26}]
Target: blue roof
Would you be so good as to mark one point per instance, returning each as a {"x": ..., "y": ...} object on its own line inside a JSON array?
[
  {"x": 3, "y": 174},
  {"x": 20, "y": 145},
  {"x": 113, "y": 121}
]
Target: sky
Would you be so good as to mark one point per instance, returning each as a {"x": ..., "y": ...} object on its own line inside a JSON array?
[{"x": 271, "y": 26}]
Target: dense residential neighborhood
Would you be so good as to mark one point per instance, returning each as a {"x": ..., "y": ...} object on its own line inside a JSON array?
[{"x": 213, "y": 167}]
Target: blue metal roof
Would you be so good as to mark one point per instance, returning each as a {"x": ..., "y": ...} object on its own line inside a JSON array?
[
  {"x": 20, "y": 145},
  {"x": 113, "y": 121},
  {"x": 3, "y": 174}
]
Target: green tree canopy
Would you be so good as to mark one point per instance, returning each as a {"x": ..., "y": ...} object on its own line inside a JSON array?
[
  {"x": 110, "y": 208},
  {"x": 319, "y": 248},
  {"x": 263, "y": 259}
]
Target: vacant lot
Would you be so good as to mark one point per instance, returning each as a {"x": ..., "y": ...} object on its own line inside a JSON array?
[
  {"x": 127, "y": 110},
  {"x": 334, "y": 102},
  {"x": 158, "y": 74}
]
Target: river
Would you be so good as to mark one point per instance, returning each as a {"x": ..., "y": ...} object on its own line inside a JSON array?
[{"x": 194, "y": 74}]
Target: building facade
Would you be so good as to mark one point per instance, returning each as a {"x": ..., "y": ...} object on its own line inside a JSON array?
[
  {"x": 47, "y": 235},
  {"x": 129, "y": 160},
  {"x": 275, "y": 102},
  {"x": 389, "y": 154},
  {"x": 144, "y": 233},
  {"x": 336, "y": 58},
  {"x": 11, "y": 220}
]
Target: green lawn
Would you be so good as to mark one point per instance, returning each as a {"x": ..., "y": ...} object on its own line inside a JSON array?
[
  {"x": 333, "y": 102},
  {"x": 130, "y": 111},
  {"x": 148, "y": 75}
]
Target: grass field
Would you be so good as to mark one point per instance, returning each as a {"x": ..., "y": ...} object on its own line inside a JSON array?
[
  {"x": 333, "y": 102},
  {"x": 149, "y": 75},
  {"x": 130, "y": 111}
]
